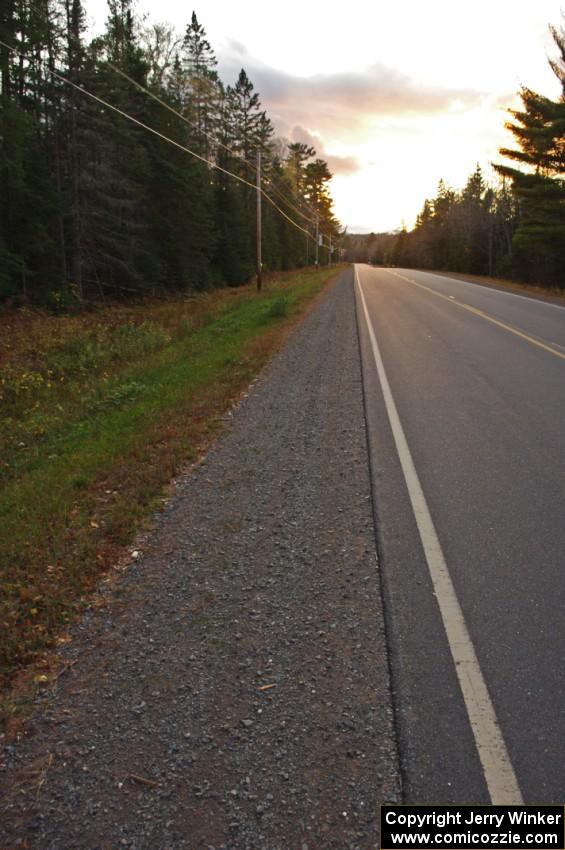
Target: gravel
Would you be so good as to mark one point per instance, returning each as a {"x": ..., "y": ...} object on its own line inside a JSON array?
[{"x": 233, "y": 692}]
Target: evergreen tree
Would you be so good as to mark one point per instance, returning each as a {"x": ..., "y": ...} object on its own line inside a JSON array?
[
  {"x": 539, "y": 129},
  {"x": 245, "y": 130},
  {"x": 474, "y": 206},
  {"x": 115, "y": 162},
  {"x": 182, "y": 202},
  {"x": 94, "y": 203},
  {"x": 422, "y": 246},
  {"x": 202, "y": 90},
  {"x": 293, "y": 244},
  {"x": 316, "y": 190},
  {"x": 298, "y": 155},
  {"x": 29, "y": 213}
]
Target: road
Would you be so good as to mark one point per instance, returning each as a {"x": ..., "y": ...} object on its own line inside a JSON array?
[{"x": 473, "y": 381}]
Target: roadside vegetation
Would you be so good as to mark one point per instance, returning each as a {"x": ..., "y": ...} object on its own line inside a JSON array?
[
  {"x": 128, "y": 234},
  {"x": 99, "y": 411}
]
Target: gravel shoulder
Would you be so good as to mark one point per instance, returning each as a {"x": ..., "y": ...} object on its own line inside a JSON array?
[{"x": 234, "y": 691}]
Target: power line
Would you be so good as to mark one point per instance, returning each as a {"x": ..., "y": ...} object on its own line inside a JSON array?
[
  {"x": 129, "y": 117},
  {"x": 212, "y": 138},
  {"x": 216, "y": 141},
  {"x": 283, "y": 198},
  {"x": 162, "y": 136},
  {"x": 176, "y": 112},
  {"x": 300, "y": 200}
]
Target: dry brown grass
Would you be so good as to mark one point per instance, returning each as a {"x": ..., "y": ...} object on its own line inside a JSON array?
[{"x": 73, "y": 503}]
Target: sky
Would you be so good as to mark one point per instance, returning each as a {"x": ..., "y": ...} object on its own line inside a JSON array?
[{"x": 394, "y": 96}]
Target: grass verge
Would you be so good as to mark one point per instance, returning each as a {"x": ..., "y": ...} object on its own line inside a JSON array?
[{"x": 99, "y": 412}]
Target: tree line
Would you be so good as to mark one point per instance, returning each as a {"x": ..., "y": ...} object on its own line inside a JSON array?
[
  {"x": 515, "y": 228},
  {"x": 94, "y": 203}
]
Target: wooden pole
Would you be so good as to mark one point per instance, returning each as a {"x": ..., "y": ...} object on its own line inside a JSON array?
[{"x": 258, "y": 251}]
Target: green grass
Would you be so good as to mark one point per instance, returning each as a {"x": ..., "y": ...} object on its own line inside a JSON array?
[{"x": 98, "y": 414}]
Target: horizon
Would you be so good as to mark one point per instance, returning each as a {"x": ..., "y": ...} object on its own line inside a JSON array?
[{"x": 367, "y": 97}]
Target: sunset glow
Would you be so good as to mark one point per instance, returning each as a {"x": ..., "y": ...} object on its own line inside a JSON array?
[{"x": 394, "y": 98}]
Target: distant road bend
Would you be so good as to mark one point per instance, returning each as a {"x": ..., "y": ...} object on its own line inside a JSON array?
[{"x": 465, "y": 401}]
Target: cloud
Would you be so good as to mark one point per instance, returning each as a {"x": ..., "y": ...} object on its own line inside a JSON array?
[
  {"x": 345, "y": 100},
  {"x": 337, "y": 164},
  {"x": 379, "y": 90},
  {"x": 301, "y": 134},
  {"x": 236, "y": 47},
  {"x": 379, "y": 116},
  {"x": 342, "y": 164}
]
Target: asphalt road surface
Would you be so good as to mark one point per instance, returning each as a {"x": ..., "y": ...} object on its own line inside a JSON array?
[{"x": 465, "y": 401}]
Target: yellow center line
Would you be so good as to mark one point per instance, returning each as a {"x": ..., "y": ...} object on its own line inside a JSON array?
[{"x": 451, "y": 300}]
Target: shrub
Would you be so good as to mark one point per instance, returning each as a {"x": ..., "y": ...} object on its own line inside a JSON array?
[
  {"x": 278, "y": 307},
  {"x": 133, "y": 340}
]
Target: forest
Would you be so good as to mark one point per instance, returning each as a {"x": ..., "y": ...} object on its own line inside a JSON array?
[
  {"x": 128, "y": 167},
  {"x": 513, "y": 229}
]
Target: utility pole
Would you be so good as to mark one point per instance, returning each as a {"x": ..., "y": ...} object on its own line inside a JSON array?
[
  {"x": 258, "y": 250},
  {"x": 330, "y": 252},
  {"x": 317, "y": 236}
]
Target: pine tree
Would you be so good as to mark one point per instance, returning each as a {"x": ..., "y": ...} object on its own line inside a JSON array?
[
  {"x": 249, "y": 127},
  {"x": 245, "y": 129},
  {"x": 182, "y": 199},
  {"x": 202, "y": 91},
  {"x": 92, "y": 203},
  {"x": 69, "y": 144},
  {"x": 115, "y": 168},
  {"x": 29, "y": 212},
  {"x": 539, "y": 130},
  {"x": 422, "y": 237},
  {"x": 298, "y": 155},
  {"x": 316, "y": 190},
  {"x": 474, "y": 207},
  {"x": 294, "y": 245}
]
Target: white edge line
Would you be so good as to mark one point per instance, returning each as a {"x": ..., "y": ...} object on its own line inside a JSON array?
[
  {"x": 498, "y": 771},
  {"x": 493, "y": 288}
]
